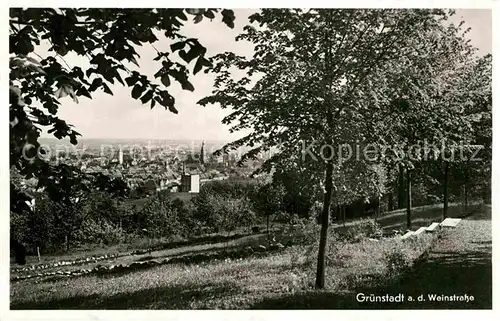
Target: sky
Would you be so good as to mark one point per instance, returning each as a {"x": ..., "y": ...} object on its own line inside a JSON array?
[{"x": 122, "y": 117}]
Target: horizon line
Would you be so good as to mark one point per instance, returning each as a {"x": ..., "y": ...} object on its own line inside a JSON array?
[{"x": 136, "y": 138}]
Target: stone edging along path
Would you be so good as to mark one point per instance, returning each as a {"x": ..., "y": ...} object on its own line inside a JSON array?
[
  {"x": 166, "y": 246},
  {"x": 78, "y": 261},
  {"x": 186, "y": 259},
  {"x": 195, "y": 241}
]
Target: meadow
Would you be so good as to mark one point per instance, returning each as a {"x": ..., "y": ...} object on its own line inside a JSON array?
[{"x": 354, "y": 262}]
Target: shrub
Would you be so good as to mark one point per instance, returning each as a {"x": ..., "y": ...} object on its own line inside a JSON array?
[
  {"x": 163, "y": 218},
  {"x": 334, "y": 254},
  {"x": 304, "y": 232},
  {"x": 99, "y": 232},
  {"x": 396, "y": 260},
  {"x": 224, "y": 206},
  {"x": 282, "y": 217},
  {"x": 37, "y": 228},
  {"x": 357, "y": 232}
]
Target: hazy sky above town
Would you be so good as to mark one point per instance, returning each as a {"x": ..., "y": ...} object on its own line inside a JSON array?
[{"x": 121, "y": 116}]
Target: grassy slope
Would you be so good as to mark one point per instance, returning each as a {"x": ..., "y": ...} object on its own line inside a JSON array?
[
  {"x": 460, "y": 263},
  {"x": 422, "y": 216},
  {"x": 222, "y": 285},
  {"x": 145, "y": 243},
  {"x": 280, "y": 280},
  {"x": 250, "y": 240}
]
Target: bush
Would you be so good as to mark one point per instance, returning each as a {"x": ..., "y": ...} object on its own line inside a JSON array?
[
  {"x": 164, "y": 218},
  {"x": 396, "y": 260},
  {"x": 282, "y": 217},
  {"x": 99, "y": 233},
  {"x": 357, "y": 232},
  {"x": 224, "y": 206},
  {"x": 37, "y": 228},
  {"x": 404, "y": 253},
  {"x": 230, "y": 188},
  {"x": 304, "y": 232}
]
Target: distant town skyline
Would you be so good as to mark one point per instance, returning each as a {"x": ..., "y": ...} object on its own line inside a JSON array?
[{"x": 122, "y": 117}]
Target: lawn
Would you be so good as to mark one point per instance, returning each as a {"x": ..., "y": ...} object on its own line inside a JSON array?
[
  {"x": 394, "y": 220},
  {"x": 187, "y": 250},
  {"x": 460, "y": 263},
  {"x": 239, "y": 284},
  {"x": 283, "y": 279},
  {"x": 241, "y": 236}
]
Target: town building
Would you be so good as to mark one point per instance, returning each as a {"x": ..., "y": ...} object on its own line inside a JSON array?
[{"x": 190, "y": 183}]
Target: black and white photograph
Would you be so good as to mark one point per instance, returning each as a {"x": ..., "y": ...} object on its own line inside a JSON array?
[{"x": 249, "y": 159}]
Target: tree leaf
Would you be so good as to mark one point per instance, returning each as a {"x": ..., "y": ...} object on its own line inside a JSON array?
[
  {"x": 198, "y": 65},
  {"x": 137, "y": 91},
  {"x": 186, "y": 85},
  {"x": 209, "y": 14},
  {"x": 82, "y": 91},
  {"x": 177, "y": 46},
  {"x": 165, "y": 80},
  {"x": 33, "y": 60},
  {"x": 118, "y": 77},
  {"x": 62, "y": 50},
  {"x": 196, "y": 12},
  {"x": 228, "y": 18},
  {"x": 63, "y": 91},
  {"x": 147, "y": 96},
  {"x": 198, "y": 18},
  {"x": 130, "y": 81},
  {"x": 106, "y": 89},
  {"x": 194, "y": 52},
  {"x": 95, "y": 84},
  {"x": 134, "y": 61}
]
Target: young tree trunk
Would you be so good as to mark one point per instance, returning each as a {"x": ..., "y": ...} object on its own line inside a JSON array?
[
  {"x": 466, "y": 198},
  {"x": 390, "y": 202},
  {"x": 445, "y": 196},
  {"x": 268, "y": 233},
  {"x": 19, "y": 251},
  {"x": 66, "y": 242},
  {"x": 121, "y": 229},
  {"x": 327, "y": 200},
  {"x": 377, "y": 210},
  {"x": 408, "y": 199},
  {"x": 401, "y": 188}
]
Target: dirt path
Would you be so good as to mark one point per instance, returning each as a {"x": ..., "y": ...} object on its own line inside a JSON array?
[
  {"x": 458, "y": 265},
  {"x": 249, "y": 240}
]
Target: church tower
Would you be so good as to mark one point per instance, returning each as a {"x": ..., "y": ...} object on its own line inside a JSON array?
[
  {"x": 120, "y": 156},
  {"x": 202, "y": 153}
]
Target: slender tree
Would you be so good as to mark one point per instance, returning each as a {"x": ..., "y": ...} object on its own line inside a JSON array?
[{"x": 322, "y": 78}]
